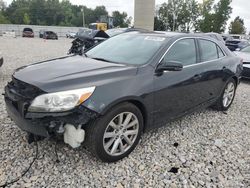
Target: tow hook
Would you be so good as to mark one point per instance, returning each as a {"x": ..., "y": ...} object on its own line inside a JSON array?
[{"x": 73, "y": 136}]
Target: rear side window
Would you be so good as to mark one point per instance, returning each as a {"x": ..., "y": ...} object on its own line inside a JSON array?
[
  {"x": 209, "y": 50},
  {"x": 220, "y": 52},
  {"x": 183, "y": 51}
]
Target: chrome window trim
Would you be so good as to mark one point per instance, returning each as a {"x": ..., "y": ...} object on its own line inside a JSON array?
[
  {"x": 204, "y": 62},
  {"x": 195, "y": 63}
]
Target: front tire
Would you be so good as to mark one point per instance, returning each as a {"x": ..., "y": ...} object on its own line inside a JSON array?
[
  {"x": 116, "y": 134},
  {"x": 227, "y": 96}
]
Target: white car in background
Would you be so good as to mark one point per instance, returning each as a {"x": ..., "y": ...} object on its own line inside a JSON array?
[
  {"x": 244, "y": 53},
  {"x": 71, "y": 35}
]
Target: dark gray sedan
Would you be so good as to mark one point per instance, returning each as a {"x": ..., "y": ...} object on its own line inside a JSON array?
[{"x": 121, "y": 88}]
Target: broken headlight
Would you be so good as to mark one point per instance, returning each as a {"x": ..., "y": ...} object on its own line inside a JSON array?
[{"x": 60, "y": 101}]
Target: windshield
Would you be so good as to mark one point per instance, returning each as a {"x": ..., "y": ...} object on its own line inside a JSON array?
[
  {"x": 114, "y": 32},
  {"x": 27, "y": 29},
  {"x": 128, "y": 49},
  {"x": 247, "y": 49}
]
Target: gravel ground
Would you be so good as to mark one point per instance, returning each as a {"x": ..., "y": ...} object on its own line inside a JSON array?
[{"x": 206, "y": 149}]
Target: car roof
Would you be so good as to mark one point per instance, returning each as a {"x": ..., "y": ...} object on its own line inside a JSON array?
[
  {"x": 171, "y": 34},
  {"x": 27, "y": 28}
]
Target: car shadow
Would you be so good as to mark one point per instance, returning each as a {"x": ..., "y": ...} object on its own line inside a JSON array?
[{"x": 245, "y": 81}]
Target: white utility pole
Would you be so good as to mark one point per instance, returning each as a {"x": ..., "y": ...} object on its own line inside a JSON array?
[{"x": 144, "y": 14}]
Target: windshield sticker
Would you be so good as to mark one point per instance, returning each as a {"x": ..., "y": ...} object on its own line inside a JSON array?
[{"x": 158, "y": 39}]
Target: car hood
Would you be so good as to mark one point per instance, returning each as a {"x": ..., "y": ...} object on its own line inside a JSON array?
[
  {"x": 72, "y": 72},
  {"x": 245, "y": 56}
]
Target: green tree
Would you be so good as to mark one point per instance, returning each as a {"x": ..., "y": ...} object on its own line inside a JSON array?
[
  {"x": 222, "y": 14},
  {"x": 159, "y": 25},
  {"x": 3, "y": 18},
  {"x": 120, "y": 19},
  {"x": 54, "y": 12},
  {"x": 16, "y": 10},
  {"x": 26, "y": 19},
  {"x": 189, "y": 15},
  {"x": 37, "y": 11},
  {"x": 170, "y": 14},
  {"x": 2, "y": 5},
  {"x": 237, "y": 26},
  {"x": 214, "y": 18},
  {"x": 178, "y": 15},
  {"x": 205, "y": 23},
  {"x": 98, "y": 12}
]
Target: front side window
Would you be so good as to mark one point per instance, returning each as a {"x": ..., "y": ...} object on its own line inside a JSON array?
[
  {"x": 208, "y": 50},
  {"x": 183, "y": 51}
]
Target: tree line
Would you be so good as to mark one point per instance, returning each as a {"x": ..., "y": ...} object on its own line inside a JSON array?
[
  {"x": 174, "y": 15},
  {"x": 56, "y": 12},
  {"x": 187, "y": 15}
]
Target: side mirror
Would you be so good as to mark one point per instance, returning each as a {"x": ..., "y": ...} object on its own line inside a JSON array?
[{"x": 169, "y": 66}]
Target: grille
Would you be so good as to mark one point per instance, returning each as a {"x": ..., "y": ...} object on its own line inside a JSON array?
[{"x": 21, "y": 94}]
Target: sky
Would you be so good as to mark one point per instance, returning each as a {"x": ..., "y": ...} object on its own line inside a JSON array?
[{"x": 240, "y": 7}]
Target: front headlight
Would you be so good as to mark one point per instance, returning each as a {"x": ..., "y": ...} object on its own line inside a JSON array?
[{"x": 60, "y": 101}]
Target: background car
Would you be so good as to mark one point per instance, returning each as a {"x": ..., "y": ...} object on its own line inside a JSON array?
[
  {"x": 245, "y": 55},
  {"x": 87, "y": 39},
  {"x": 234, "y": 44},
  {"x": 71, "y": 35},
  {"x": 41, "y": 33},
  {"x": 28, "y": 32},
  {"x": 50, "y": 35},
  {"x": 227, "y": 37}
]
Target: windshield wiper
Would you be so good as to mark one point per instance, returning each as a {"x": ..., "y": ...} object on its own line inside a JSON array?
[
  {"x": 85, "y": 54},
  {"x": 101, "y": 59}
]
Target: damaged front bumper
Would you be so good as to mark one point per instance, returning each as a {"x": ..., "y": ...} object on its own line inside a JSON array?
[
  {"x": 49, "y": 124},
  {"x": 18, "y": 97}
]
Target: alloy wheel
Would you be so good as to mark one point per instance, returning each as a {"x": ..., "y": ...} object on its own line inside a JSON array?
[
  {"x": 228, "y": 94},
  {"x": 121, "y": 133}
]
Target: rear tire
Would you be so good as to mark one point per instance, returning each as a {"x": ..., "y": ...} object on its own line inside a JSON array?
[
  {"x": 227, "y": 97},
  {"x": 116, "y": 134}
]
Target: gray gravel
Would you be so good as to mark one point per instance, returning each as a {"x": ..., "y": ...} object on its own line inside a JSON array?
[{"x": 206, "y": 149}]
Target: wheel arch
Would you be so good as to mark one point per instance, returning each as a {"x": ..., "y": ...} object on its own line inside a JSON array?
[
  {"x": 236, "y": 79},
  {"x": 133, "y": 100}
]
